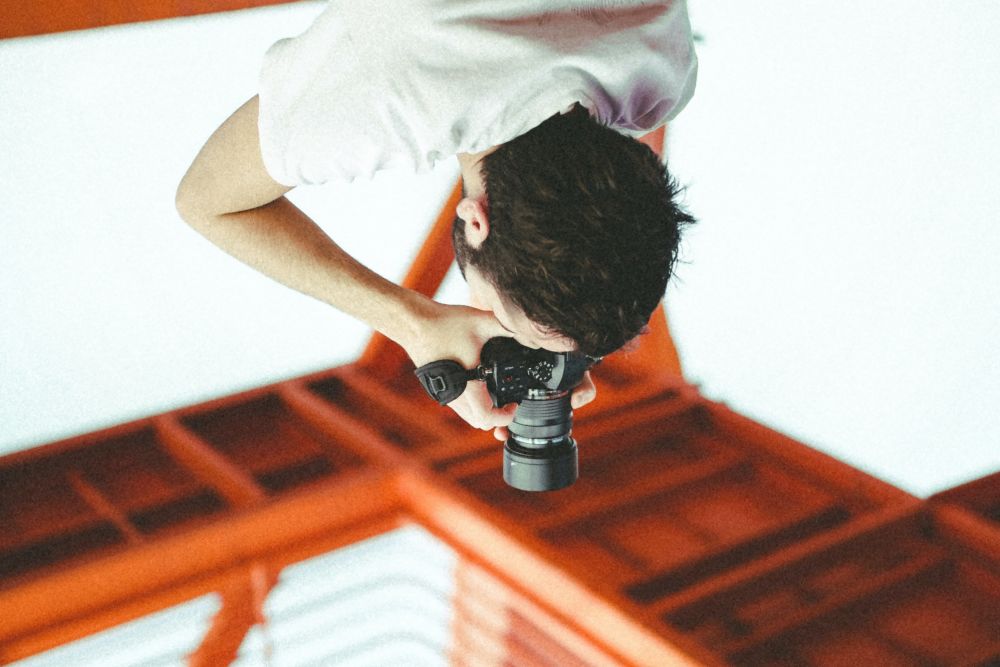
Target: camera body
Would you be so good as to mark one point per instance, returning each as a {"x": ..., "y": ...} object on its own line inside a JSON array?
[
  {"x": 540, "y": 454},
  {"x": 513, "y": 372}
]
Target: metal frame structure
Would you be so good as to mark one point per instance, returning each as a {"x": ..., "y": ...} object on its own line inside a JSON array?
[{"x": 694, "y": 536}]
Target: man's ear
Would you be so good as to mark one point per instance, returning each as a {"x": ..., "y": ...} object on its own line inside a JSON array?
[{"x": 477, "y": 222}]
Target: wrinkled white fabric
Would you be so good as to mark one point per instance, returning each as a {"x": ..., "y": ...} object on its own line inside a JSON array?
[{"x": 382, "y": 84}]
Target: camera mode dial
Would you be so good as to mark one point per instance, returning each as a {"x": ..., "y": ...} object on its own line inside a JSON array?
[{"x": 542, "y": 371}]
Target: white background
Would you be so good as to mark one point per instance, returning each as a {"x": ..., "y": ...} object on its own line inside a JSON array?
[{"x": 842, "y": 284}]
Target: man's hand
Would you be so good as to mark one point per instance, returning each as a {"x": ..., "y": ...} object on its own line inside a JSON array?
[{"x": 459, "y": 333}]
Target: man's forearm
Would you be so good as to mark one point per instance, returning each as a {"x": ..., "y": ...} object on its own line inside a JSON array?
[{"x": 282, "y": 242}]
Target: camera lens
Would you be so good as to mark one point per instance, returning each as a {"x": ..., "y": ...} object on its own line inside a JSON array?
[{"x": 540, "y": 455}]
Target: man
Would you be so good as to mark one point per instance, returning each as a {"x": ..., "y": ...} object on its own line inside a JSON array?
[{"x": 567, "y": 231}]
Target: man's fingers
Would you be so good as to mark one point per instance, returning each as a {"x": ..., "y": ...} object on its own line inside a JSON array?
[
  {"x": 476, "y": 408},
  {"x": 584, "y": 393},
  {"x": 500, "y": 417}
]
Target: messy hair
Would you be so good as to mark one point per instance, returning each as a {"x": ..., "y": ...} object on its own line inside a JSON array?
[{"x": 584, "y": 230}]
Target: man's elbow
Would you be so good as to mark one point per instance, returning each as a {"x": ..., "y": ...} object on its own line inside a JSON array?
[
  {"x": 190, "y": 202},
  {"x": 181, "y": 203},
  {"x": 228, "y": 174}
]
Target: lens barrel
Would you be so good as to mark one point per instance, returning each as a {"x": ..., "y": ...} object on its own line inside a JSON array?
[{"x": 540, "y": 455}]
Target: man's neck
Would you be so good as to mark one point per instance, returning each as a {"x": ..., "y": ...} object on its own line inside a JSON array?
[{"x": 472, "y": 178}]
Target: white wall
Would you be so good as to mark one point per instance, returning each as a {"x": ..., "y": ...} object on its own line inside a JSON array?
[
  {"x": 844, "y": 283},
  {"x": 111, "y": 308},
  {"x": 841, "y": 284}
]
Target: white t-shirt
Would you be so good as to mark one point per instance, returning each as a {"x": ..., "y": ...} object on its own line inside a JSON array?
[{"x": 379, "y": 84}]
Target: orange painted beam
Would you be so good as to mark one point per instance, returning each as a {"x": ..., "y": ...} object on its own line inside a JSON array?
[
  {"x": 37, "y": 606},
  {"x": 537, "y": 576},
  {"x": 22, "y": 18},
  {"x": 242, "y": 608}
]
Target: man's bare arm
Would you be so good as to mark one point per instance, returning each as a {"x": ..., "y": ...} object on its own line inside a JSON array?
[{"x": 228, "y": 196}]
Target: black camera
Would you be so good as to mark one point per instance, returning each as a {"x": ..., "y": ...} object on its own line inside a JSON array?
[{"x": 540, "y": 454}]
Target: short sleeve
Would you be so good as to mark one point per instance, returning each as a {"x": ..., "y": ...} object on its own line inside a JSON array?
[
  {"x": 314, "y": 93},
  {"x": 382, "y": 84}
]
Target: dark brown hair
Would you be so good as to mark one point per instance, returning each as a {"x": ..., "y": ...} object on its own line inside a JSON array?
[{"x": 584, "y": 230}]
